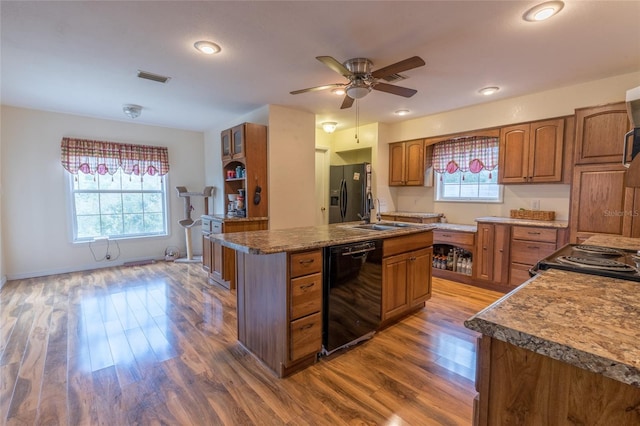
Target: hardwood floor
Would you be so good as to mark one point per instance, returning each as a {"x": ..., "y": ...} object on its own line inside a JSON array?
[{"x": 155, "y": 344}]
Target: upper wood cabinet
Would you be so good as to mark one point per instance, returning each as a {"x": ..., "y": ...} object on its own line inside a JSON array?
[
  {"x": 532, "y": 152},
  {"x": 406, "y": 163},
  {"x": 600, "y": 134},
  {"x": 232, "y": 142}
]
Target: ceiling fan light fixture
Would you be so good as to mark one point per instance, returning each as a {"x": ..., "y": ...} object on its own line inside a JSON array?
[
  {"x": 329, "y": 126},
  {"x": 402, "y": 112},
  {"x": 131, "y": 110},
  {"x": 339, "y": 91},
  {"x": 488, "y": 91},
  {"x": 358, "y": 91},
  {"x": 543, "y": 11},
  {"x": 207, "y": 47}
]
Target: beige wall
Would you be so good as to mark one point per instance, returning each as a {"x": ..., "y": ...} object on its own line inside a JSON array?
[
  {"x": 36, "y": 229},
  {"x": 291, "y": 168},
  {"x": 3, "y": 276},
  {"x": 552, "y": 103}
]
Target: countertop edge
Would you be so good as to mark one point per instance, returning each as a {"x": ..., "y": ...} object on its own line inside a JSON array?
[
  {"x": 587, "y": 361},
  {"x": 560, "y": 224}
]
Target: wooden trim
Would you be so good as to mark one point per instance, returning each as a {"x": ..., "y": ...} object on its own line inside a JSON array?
[{"x": 489, "y": 133}]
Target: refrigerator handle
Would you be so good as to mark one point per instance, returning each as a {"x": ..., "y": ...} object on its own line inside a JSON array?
[{"x": 343, "y": 199}]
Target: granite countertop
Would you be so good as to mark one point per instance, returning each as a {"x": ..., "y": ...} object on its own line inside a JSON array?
[
  {"x": 625, "y": 243},
  {"x": 308, "y": 237},
  {"x": 222, "y": 217},
  {"x": 455, "y": 227},
  {"x": 587, "y": 321},
  {"x": 412, "y": 214},
  {"x": 524, "y": 222}
]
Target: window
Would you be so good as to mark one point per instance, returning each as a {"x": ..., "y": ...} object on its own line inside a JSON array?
[
  {"x": 118, "y": 206},
  {"x": 467, "y": 170},
  {"x": 117, "y": 190}
]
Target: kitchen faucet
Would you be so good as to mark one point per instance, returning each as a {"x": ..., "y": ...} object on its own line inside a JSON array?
[
  {"x": 378, "y": 215},
  {"x": 368, "y": 206}
]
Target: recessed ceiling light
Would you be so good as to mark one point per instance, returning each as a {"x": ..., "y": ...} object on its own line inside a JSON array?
[
  {"x": 543, "y": 11},
  {"x": 339, "y": 91},
  {"x": 402, "y": 112},
  {"x": 487, "y": 91},
  {"x": 207, "y": 47},
  {"x": 329, "y": 126}
]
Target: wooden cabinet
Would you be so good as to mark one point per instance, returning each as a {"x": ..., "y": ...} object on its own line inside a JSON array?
[
  {"x": 406, "y": 163},
  {"x": 492, "y": 258},
  {"x": 528, "y": 246},
  {"x": 463, "y": 243},
  {"x": 519, "y": 387},
  {"x": 219, "y": 261},
  {"x": 600, "y": 134},
  {"x": 232, "y": 142},
  {"x": 600, "y": 201},
  {"x": 245, "y": 147},
  {"x": 406, "y": 274},
  {"x": 532, "y": 152},
  {"x": 279, "y": 308}
]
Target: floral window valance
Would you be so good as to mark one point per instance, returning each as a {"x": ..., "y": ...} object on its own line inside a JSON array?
[
  {"x": 91, "y": 157},
  {"x": 472, "y": 154}
]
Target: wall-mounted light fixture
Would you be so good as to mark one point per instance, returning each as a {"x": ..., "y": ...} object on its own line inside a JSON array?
[
  {"x": 131, "y": 110},
  {"x": 329, "y": 126}
]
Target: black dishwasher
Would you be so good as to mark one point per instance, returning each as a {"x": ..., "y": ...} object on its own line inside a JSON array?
[{"x": 352, "y": 293}]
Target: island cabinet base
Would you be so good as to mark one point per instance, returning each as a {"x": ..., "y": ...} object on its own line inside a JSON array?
[
  {"x": 520, "y": 387},
  {"x": 280, "y": 308}
]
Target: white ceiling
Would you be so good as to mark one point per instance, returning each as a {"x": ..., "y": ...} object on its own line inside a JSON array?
[{"x": 81, "y": 57}]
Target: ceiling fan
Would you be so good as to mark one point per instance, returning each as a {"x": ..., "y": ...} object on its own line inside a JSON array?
[{"x": 362, "y": 79}]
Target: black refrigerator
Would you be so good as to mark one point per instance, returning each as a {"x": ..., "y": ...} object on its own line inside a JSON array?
[{"x": 349, "y": 188}]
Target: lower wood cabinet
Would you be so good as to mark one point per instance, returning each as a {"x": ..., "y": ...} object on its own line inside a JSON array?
[
  {"x": 406, "y": 275},
  {"x": 519, "y": 387},
  {"x": 529, "y": 245},
  {"x": 280, "y": 308},
  {"x": 492, "y": 254}
]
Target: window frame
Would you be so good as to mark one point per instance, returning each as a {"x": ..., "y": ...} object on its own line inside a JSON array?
[{"x": 71, "y": 210}]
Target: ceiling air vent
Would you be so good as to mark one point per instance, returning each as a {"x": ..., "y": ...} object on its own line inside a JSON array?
[
  {"x": 394, "y": 77},
  {"x": 154, "y": 77}
]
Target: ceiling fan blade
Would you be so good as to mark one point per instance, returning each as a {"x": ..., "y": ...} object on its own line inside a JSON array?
[
  {"x": 407, "y": 64},
  {"x": 334, "y": 65},
  {"x": 317, "y": 88},
  {"x": 347, "y": 102},
  {"x": 396, "y": 90}
]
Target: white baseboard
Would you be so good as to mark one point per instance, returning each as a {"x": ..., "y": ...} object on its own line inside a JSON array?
[{"x": 92, "y": 267}]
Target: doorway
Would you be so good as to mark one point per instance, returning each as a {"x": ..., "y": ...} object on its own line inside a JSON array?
[{"x": 322, "y": 185}]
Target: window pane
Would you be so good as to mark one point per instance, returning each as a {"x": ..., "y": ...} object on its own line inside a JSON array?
[
  {"x": 451, "y": 191},
  {"x": 87, "y": 204},
  {"x": 133, "y": 224},
  {"x": 469, "y": 191},
  {"x": 450, "y": 177},
  {"x": 152, "y": 203},
  {"x": 153, "y": 223},
  {"x": 111, "y": 203},
  {"x": 152, "y": 183},
  {"x": 88, "y": 226},
  {"x": 470, "y": 178},
  {"x": 111, "y": 224},
  {"x": 109, "y": 183},
  {"x": 132, "y": 203},
  {"x": 131, "y": 182},
  {"x": 82, "y": 181},
  {"x": 488, "y": 191}
]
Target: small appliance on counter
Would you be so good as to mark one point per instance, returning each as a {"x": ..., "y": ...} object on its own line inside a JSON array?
[{"x": 594, "y": 260}]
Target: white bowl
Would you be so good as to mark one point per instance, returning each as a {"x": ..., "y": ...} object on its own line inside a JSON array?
[{"x": 232, "y": 197}]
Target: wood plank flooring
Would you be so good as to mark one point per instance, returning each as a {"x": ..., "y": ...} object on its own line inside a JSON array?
[{"x": 156, "y": 344}]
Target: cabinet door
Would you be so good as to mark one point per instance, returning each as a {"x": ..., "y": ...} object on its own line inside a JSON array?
[
  {"x": 237, "y": 141},
  {"x": 546, "y": 144},
  {"x": 217, "y": 261},
  {"x": 225, "y": 141},
  {"x": 414, "y": 162},
  {"x": 600, "y": 202},
  {"x": 396, "y": 164},
  {"x": 206, "y": 254},
  {"x": 501, "y": 253},
  {"x": 600, "y": 133},
  {"x": 484, "y": 254},
  {"x": 513, "y": 154},
  {"x": 395, "y": 291},
  {"x": 419, "y": 275}
]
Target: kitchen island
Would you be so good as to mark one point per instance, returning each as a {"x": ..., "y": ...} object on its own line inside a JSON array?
[
  {"x": 280, "y": 285},
  {"x": 563, "y": 348}
]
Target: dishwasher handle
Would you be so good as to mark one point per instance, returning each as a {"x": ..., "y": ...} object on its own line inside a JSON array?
[{"x": 364, "y": 250}]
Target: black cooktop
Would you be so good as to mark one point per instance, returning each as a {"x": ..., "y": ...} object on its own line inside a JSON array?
[{"x": 594, "y": 260}]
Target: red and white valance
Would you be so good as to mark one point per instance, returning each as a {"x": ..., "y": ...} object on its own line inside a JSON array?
[
  {"x": 472, "y": 154},
  {"x": 91, "y": 157}
]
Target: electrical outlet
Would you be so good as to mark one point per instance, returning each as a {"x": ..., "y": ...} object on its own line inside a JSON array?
[
  {"x": 535, "y": 204},
  {"x": 107, "y": 256}
]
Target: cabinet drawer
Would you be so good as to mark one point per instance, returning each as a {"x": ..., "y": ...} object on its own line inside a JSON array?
[
  {"x": 306, "y": 336},
  {"x": 306, "y": 295},
  {"x": 453, "y": 238},
  {"x": 530, "y": 252},
  {"x": 216, "y": 227},
  {"x": 548, "y": 235},
  {"x": 519, "y": 273},
  {"x": 305, "y": 263}
]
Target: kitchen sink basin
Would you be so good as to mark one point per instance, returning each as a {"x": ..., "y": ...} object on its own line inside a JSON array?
[{"x": 383, "y": 226}]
